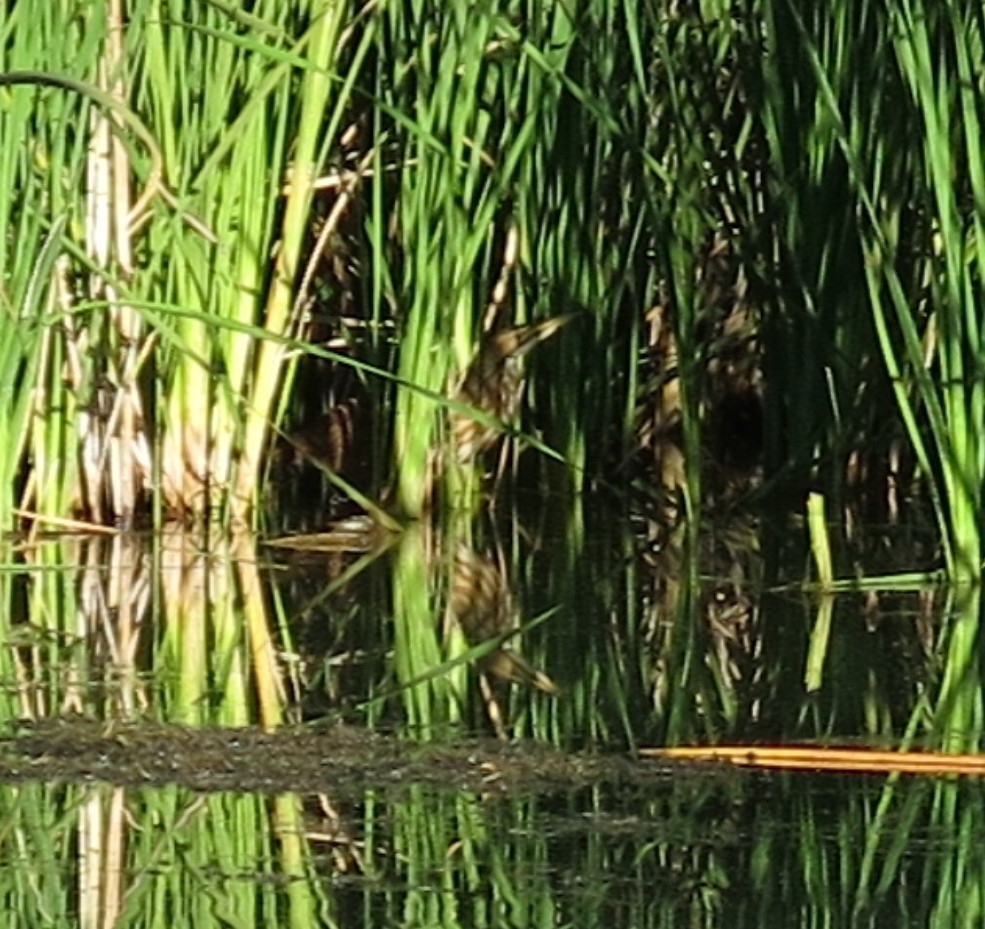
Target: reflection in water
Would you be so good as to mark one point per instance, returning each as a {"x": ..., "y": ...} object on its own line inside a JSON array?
[
  {"x": 481, "y": 601},
  {"x": 648, "y": 644},
  {"x": 454, "y": 610},
  {"x": 696, "y": 850},
  {"x": 424, "y": 641}
]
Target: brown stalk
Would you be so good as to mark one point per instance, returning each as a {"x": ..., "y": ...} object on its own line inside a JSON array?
[{"x": 819, "y": 758}]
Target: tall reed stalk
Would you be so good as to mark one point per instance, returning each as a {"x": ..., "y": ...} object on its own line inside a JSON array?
[
  {"x": 936, "y": 48},
  {"x": 882, "y": 185},
  {"x": 184, "y": 227},
  {"x": 160, "y": 250}
]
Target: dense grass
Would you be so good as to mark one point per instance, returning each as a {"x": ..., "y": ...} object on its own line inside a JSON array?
[{"x": 435, "y": 170}]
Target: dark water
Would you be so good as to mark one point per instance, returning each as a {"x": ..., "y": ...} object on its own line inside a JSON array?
[
  {"x": 440, "y": 728},
  {"x": 695, "y": 850}
]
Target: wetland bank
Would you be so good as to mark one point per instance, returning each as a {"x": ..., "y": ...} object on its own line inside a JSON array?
[{"x": 341, "y": 760}]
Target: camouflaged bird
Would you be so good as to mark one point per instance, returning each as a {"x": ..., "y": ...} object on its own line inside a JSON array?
[{"x": 493, "y": 383}]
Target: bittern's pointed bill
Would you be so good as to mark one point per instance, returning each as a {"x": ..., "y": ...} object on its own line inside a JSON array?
[{"x": 493, "y": 383}]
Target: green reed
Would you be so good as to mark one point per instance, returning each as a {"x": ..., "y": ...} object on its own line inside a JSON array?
[
  {"x": 38, "y": 204},
  {"x": 247, "y": 155},
  {"x": 622, "y": 149},
  {"x": 199, "y": 202},
  {"x": 441, "y": 70},
  {"x": 882, "y": 190},
  {"x": 883, "y": 186},
  {"x": 496, "y": 115},
  {"x": 934, "y": 49}
]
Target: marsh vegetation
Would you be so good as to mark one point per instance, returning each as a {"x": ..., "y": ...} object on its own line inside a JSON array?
[{"x": 603, "y": 374}]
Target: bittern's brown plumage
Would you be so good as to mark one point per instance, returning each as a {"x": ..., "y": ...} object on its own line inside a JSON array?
[
  {"x": 481, "y": 601},
  {"x": 493, "y": 383}
]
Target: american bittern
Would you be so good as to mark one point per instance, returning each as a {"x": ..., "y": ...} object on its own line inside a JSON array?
[
  {"x": 493, "y": 383},
  {"x": 481, "y": 601}
]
